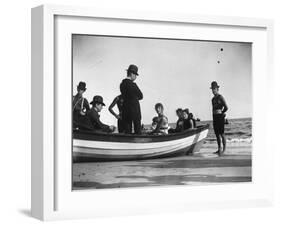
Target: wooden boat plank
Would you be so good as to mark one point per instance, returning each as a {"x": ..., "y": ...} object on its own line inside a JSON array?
[
  {"x": 117, "y": 147},
  {"x": 137, "y": 146}
]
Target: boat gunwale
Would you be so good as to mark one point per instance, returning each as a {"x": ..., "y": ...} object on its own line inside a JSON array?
[{"x": 142, "y": 138}]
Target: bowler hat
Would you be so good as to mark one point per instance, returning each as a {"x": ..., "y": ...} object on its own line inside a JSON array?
[
  {"x": 214, "y": 84},
  {"x": 81, "y": 86},
  {"x": 97, "y": 99},
  {"x": 186, "y": 111},
  {"x": 133, "y": 69}
]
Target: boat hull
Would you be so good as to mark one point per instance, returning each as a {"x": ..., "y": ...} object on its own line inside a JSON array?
[{"x": 118, "y": 147}]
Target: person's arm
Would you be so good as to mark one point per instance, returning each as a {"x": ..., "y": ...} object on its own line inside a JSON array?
[
  {"x": 86, "y": 104},
  {"x": 191, "y": 124},
  {"x": 225, "y": 107},
  {"x": 102, "y": 126},
  {"x": 76, "y": 104},
  {"x": 95, "y": 120},
  {"x": 138, "y": 92},
  {"x": 111, "y": 106},
  {"x": 123, "y": 89}
]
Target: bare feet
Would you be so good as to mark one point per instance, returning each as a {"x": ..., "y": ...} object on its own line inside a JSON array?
[{"x": 218, "y": 151}]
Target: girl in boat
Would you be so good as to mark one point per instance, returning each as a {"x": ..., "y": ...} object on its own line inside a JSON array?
[
  {"x": 188, "y": 122},
  {"x": 180, "y": 122},
  {"x": 161, "y": 121}
]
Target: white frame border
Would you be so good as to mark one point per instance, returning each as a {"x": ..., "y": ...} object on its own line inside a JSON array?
[{"x": 43, "y": 87}]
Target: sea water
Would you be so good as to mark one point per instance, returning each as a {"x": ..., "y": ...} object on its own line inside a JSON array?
[
  {"x": 236, "y": 131},
  {"x": 199, "y": 169}
]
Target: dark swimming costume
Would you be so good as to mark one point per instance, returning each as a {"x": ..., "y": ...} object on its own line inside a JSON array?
[
  {"x": 218, "y": 123},
  {"x": 219, "y": 107},
  {"x": 219, "y": 104}
]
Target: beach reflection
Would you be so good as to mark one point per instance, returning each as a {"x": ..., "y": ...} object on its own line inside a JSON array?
[{"x": 200, "y": 169}]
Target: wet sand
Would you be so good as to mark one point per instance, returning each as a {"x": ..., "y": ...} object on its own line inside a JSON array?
[{"x": 202, "y": 168}]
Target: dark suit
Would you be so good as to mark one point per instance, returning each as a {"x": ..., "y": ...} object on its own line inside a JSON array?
[
  {"x": 131, "y": 106},
  {"x": 94, "y": 120},
  {"x": 79, "y": 106}
]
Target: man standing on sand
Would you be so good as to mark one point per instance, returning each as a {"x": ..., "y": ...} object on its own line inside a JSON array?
[
  {"x": 131, "y": 106},
  {"x": 219, "y": 109}
]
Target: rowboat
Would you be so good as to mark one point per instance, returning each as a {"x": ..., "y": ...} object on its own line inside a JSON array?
[{"x": 98, "y": 146}]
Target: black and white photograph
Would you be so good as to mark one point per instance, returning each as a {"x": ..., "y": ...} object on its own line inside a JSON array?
[{"x": 160, "y": 112}]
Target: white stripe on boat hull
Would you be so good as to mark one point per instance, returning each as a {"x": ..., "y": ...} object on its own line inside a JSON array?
[
  {"x": 137, "y": 149},
  {"x": 103, "y": 157}
]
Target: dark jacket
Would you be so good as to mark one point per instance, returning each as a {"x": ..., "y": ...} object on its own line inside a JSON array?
[
  {"x": 188, "y": 124},
  {"x": 131, "y": 94},
  {"x": 94, "y": 120},
  {"x": 80, "y": 103},
  {"x": 180, "y": 125},
  {"x": 80, "y": 106}
]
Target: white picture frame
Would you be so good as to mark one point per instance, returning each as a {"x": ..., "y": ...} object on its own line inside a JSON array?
[{"x": 52, "y": 197}]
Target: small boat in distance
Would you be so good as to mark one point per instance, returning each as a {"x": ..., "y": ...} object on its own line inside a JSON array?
[{"x": 99, "y": 146}]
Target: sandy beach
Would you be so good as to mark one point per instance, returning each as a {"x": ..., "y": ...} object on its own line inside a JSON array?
[{"x": 202, "y": 168}]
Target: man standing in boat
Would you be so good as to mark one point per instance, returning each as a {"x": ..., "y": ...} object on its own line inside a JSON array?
[
  {"x": 80, "y": 106},
  {"x": 131, "y": 106},
  {"x": 94, "y": 117},
  {"x": 219, "y": 109}
]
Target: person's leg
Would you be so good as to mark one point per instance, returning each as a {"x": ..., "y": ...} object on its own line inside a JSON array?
[
  {"x": 216, "y": 130},
  {"x": 223, "y": 142},
  {"x": 219, "y": 144},
  {"x": 128, "y": 126},
  {"x": 221, "y": 132},
  {"x": 137, "y": 126},
  {"x": 120, "y": 125}
]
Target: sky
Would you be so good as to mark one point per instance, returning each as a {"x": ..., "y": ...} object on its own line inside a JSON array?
[{"x": 176, "y": 73}]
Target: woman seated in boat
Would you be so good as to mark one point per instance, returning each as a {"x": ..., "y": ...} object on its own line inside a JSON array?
[
  {"x": 193, "y": 119},
  {"x": 94, "y": 117},
  {"x": 188, "y": 122},
  {"x": 180, "y": 122},
  {"x": 160, "y": 123}
]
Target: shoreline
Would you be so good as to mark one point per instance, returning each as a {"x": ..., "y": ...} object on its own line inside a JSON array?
[{"x": 201, "y": 168}]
